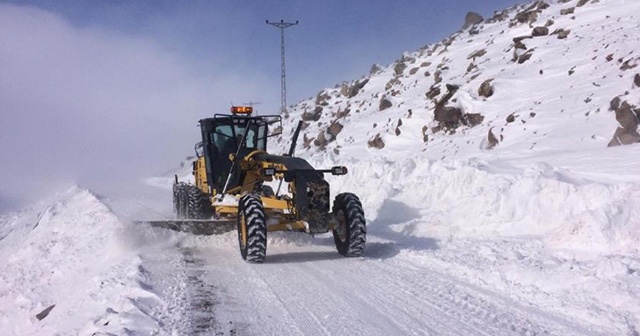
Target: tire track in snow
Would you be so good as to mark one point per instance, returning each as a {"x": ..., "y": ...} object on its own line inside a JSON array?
[
  {"x": 327, "y": 311},
  {"x": 489, "y": 311},
  {"x": 319, "y": 293}
]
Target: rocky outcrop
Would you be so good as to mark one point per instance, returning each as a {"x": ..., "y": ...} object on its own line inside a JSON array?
[
  {"x": 433, "y": 92},
  {"x": 375, "y": 69},
  {"x": 498, "y": 16},
  {"x": 321, "y": 140},
  {"x": 627, "y": 65},
  {"x": 567, "y": 11},
  {"x": 322, "y": 98},
  {"x": 376, "y": 142},
  {"x": 448, "y": 116},
  {"x": 525, "y": 17},
  {"x": 628, "y": 116},
  {"x": 313, "y": 116},
  {"x": 437, "y": 77},
  {"x": 398, "y": 69},
  {"x": 524, "y": 57},
  {"x": 624, "y": 137},
  {"x": 335, "y": 129},
  {"x": 486, "y": 89},
  {"x": 530, "y": 14},
  {"x": 306, "y": 141},
  {"x": 562, "y": 33},
  {"x": 471, "y": 19},
  {"x": 540, "y": 31},
  {"x": 425, "y": 136},
  {"x": 636, "y": 80},
  {"x": 384, "y": 104},
  {"x": 451, "y": 117},
  {"x": 351, "y": 91},
  {"x": 477, "y": 53},
  {"x": 342, "y": 113},
  {"x": 492, "y": 140},
  {"x": 472, "y": 119}
]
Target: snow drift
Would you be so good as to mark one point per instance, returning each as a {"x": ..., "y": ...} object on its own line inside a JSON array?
[{"x": 71, "y": 268}]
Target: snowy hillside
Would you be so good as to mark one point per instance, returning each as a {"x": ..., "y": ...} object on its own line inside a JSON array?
[
  {"x": 482, "y": 140},
  {"x": 535, "y": 79},
  {"x": 500, "y": 178}
]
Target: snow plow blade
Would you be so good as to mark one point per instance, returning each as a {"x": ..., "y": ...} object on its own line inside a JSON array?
[{"x": 205, "y": 227}]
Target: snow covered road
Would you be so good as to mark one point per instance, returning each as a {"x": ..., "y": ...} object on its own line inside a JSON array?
[{"x": 305, "y": 289}]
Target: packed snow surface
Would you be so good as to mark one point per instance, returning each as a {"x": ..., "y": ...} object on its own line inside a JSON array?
[{"x": 537, "y": 233}]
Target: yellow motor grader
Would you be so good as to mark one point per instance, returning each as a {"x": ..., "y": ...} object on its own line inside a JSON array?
[{"x": 229, "y": 192}]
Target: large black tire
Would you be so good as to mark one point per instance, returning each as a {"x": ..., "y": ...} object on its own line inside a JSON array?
[
  {"x": 198, "y": 204},
  {"x": 350, "y": 234},
  {"x": 252, "y": 229},
  {"x": 180, "y": 200}
]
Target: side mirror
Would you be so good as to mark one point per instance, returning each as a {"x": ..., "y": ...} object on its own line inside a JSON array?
[{"x": 339, "y": 170}]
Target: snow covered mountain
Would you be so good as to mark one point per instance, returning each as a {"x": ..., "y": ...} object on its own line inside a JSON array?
[
  {"x": 534, "y": 79},
  {"x": 500, "y": 177}
]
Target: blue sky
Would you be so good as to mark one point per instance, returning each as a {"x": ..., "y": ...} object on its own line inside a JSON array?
[
  {"x": 98, "y": 92},
  {"x": 335, "y": 41}
]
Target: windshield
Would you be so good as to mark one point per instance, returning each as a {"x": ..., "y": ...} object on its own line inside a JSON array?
[{"x": 228, "y": 137}]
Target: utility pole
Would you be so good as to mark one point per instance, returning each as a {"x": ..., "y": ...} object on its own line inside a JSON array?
[{"x": 283, "y": 83}]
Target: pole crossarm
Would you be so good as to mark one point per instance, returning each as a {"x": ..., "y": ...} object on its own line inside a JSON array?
[{"x": 283, "y": 74}]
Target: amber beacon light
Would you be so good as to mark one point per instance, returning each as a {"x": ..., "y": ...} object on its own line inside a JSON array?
[{"x": 241, "y": 109}]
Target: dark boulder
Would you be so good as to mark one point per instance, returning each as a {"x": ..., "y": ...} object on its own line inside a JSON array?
[
  {"x": 492, "y": 139},
  {"x": 540, "y": 31},
  {"x": 472, "y": 119},
  {"x": 376, "y": 142},
  {"x": 335, "y": 129},
  {"x": 471, "y": 19},
  {"x": 486, "y": 89},
  {"x": 448, "y": 115},
  {"x": 313, "y": 116},
  {"x": 384, "y": 104}
]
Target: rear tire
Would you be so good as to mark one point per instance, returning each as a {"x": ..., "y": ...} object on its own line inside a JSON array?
[
  {"x": 180, "y": 200},
  {"x": 350, "y": 235},
  {"x": 252, "y": 229},
  {"x": 198, "y": 204}
]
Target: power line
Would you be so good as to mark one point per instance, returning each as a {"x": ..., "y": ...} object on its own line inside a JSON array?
[
  {"x": 252, "y": 103},
  {"x": 283, "y": 82}
]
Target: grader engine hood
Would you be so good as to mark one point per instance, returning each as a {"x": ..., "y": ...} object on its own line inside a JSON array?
[{"x": 311, "y": 194}]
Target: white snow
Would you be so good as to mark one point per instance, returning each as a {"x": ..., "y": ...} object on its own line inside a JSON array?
[{"x": 539, "y": 235}]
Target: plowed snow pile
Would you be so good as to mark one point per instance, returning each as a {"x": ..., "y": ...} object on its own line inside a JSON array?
[{"x": 78, "y": 258}]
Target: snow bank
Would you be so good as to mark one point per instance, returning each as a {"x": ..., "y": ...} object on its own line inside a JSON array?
[
  {"x": 476, "y": 198},
  {"x": 73, "y": 257}
]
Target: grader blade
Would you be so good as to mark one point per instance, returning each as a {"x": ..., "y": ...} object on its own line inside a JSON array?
[{"x": 205, "y": 227}]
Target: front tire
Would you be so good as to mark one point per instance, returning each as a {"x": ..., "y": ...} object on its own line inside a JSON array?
[
  {"x": 252, "y": 229},
  {"x": 350, "y": 235}
]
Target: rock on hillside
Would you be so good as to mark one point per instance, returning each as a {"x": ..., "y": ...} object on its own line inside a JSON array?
[{"x": 525, "y": 80}]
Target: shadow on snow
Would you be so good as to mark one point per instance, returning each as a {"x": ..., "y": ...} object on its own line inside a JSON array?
[{"x": 392, "y": 213}]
